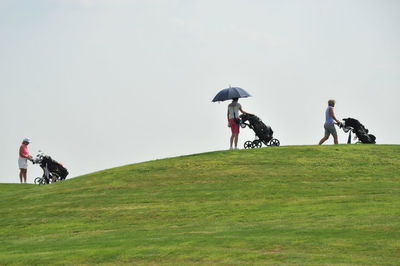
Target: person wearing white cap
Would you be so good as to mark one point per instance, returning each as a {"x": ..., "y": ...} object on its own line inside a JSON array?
[{"x": 23, "y": 159}]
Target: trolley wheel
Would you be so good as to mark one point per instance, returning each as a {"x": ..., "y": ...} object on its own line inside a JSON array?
[
  {"x": 274, "y": 142},
  {"x": 248, "y": 144},
  {"x": 39, "y": 181},
  {"x": 257, "y": 144}
]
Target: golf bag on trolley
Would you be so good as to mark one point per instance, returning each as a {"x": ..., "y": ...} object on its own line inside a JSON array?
[
  {"x": 353, "y": 125},
  {"x": 52, "y": 170},
  {"x": 264, "y": 133}
]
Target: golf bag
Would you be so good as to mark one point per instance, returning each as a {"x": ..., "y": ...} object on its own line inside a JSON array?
[
  {"x": 52, "y": 170},
  {"x": 353, "y": 125},
  {"x": 264, "y": 133}
]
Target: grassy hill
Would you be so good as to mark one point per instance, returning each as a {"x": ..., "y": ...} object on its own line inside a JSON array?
[{"x": 281, "y": 205}]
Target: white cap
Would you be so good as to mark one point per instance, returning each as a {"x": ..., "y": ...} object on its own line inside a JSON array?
[{"x": 27, "y": 140}]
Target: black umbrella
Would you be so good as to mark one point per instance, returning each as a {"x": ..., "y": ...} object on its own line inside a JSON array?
[{"x": 230, "y": 93}]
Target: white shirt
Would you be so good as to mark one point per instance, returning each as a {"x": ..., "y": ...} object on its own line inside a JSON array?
[{"x": 233, "y": 110}]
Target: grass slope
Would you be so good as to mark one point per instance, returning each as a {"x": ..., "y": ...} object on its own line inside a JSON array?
[{"x": 282, "y": 205}]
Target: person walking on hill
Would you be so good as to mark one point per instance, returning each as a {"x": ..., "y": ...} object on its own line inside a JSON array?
[
  {"x": 233, "y": 121},
  {"x": 23, "y": 159},
  {"x": 329, "y": 125}
]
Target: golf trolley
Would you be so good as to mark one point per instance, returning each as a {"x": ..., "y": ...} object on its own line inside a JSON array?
[
  {"x": 264, "y": 133},
  {"x": 53, "y": 171},
  {"x": 353, "y": 125}
]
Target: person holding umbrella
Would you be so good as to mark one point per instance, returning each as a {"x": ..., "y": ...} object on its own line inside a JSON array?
[
  {"x": 233, "y": 93},
  {"x": 233, "y": 121}
]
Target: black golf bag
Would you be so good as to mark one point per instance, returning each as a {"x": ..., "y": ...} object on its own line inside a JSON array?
[
  {"x": 353, "y": 125},
  {"x": 52, "y": 170},
  {"x": 263, "y": 132}
]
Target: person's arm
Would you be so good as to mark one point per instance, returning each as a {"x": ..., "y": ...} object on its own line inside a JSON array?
[
  {"x": 333, "y": 115},
  {"x": 227, "y": 115},
  {"x": 243, "y": 111}
]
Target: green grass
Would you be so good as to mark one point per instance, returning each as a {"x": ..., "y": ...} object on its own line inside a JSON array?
[{"x": 307, "y": 205}]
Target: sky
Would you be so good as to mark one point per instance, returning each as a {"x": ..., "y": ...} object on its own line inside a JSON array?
[{"x": 104, "y": 83}]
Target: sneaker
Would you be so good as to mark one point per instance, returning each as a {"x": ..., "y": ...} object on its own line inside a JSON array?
[
  {"x": 236, "y": 148},
  {"x": 231, "y": 148}
]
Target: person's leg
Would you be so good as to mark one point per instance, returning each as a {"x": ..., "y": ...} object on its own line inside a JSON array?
[
  {"x": 20, "y": 175},
  {"x": 326, "y": 136},
  {"x": 323, "y": 139},
  {"x": 334, "y": 134},
  {"x": 335, "y": 139},
  {"x": 23, "y": 175},
  {"x": 236, "y": 140},
  {"x": 235, "y": 133},
  {"x": 231, "y": 125}
]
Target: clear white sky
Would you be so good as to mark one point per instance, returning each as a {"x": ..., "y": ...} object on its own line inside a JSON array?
[{"x": 103, "y": 83}]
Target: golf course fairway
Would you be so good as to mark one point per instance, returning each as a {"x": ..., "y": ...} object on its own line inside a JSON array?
[{"x": 302, "y": 205}]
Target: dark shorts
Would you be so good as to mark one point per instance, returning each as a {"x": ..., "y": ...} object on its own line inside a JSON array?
[{"x": 330, "y": 129}]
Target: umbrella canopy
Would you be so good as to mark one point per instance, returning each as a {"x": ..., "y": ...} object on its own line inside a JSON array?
[{"x": 230, "y": 93}]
